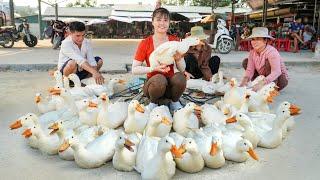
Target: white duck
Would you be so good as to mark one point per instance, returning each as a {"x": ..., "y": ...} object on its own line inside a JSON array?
[
  {"x": 109, "y": 88},
  {"x": 191, "y": 160},
  {"x": 27, "y": 121},
  {"x": 289, "y": 123},
  {"x": 160, "y": 122},
  {"x": 210, "y": 114},
  {"x": 235, "y": 95},
  {"x": 237, "y": 149},
  {"x": 161, "y": 165},
  {"x": 258, "y": 102},
  {"x": 164, "y": 54},
  {"x": 265, "y": 121},
  {"x": 58, "y": 77},
  {"x": 249, "y": 132},
  {"x": 137, "y": 118},
  {"x": 77, "y": 91},
  {"x": 94, "y": 154},
  {"x": 48, "y": 144},
  {"x": 111, "y": 115},
  {"x": 273, "y": 138},
  {"x": 185, "y": 120},
  {"x": 86, "y": 136},
  {"x": 88, "y": 112},
  {"x": 124, "y": 158},
  {"x": 44, "y": 106},
  {"x": 210, "y": 148}
]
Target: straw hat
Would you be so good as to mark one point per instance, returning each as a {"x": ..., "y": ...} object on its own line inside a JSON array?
[
  {"x": 197, "y": 31},
  {"x": 260, "y": 32}
]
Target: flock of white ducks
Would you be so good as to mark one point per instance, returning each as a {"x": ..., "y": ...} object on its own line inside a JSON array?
[{"x": 80, "y": 125}]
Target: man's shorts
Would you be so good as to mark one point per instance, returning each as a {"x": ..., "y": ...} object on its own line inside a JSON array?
[{"x": 81, "y": 74}]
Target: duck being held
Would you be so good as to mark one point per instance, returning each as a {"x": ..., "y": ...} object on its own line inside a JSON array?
[{"x": 164, "y": 54}]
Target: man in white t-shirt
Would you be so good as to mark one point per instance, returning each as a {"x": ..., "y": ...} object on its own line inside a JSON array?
[{"x": 76, "y": 55}]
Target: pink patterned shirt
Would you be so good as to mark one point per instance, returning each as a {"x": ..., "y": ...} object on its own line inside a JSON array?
[{"x": 257, "y": 62}]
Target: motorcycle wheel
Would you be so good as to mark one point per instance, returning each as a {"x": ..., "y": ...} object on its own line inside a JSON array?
[
  {"x": 56, "y": 42},
  {"x": 32, "y": 43},
  {"x": 224, "y": 46},
  {"x": 9, "y": 41}
]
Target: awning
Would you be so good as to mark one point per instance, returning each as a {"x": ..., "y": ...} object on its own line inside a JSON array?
[
  {"x": 193, "y": 17},
  {"x": 68, "y": 19},
  {"x": 130, "y": 19}
]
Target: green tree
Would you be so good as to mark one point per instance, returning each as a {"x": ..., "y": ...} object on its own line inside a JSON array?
[
  {"x": 80, "y": 3},
  {"x": 25, "y": 11}
]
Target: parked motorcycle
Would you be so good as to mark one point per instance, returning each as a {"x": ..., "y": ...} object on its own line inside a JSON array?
[
  {"x": 59, "y": 31},
  {"x": 23, "y": 33},
  {"x": 222, "y": 40},
  {"x": 6, "y": 39}
]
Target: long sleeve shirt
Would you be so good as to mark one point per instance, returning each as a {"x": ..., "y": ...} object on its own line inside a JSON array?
[
  {"x": 256, "y": 62},
  {"x": 203, "y": 56},
  {"x": 69, "y": 50}
]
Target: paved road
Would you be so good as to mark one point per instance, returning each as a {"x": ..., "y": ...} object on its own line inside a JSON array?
[
  {"x": 116, "y": 54},
  {"x": 297, "y": 158}
]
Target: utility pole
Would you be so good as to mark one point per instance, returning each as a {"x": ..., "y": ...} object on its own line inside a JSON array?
[
  {"x": 264, "y": 16},
  {"x": 213, "y": 5},
  {"x": 11, "y": 12},
  {"x": 40, "y": 20},
  {"x": 56, "y": 11}
]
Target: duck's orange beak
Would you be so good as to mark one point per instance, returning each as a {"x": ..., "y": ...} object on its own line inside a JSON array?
[
  {"x": 64, "y": 146},
  {"x": 17, "y": 124},
  {"x": 139, "y": 108},
  {"x": 55, "y": 91},
  {"x": 253, "y": 154},
  {"x": 92, "y": 104},
  {"x": 294, "y": 110},
  {"x": 231, "y": 120},
  {"x": 128, "y": 144},
  {"x": 166, "y": 121},
  {"x": 54, "y": 127},
  {"x": 121, "y": 81},
  {"x": 214, "y": 149},
  {"x": 37, "y": 99},
  {"x": 27, "y": 133},
  {"x": 274, "y": 93},
  {"x": 182, "y": 149},
  {"x": 175, "y": 151},
  {"x": 270, "y": 99}
]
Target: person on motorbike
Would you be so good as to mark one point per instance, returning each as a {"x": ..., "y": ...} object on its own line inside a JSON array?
[
  {"x": 199, "y": 62},
  {"x": 76, "y": 55}
]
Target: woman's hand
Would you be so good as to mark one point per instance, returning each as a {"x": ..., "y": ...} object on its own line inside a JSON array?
[
  {"x": 244, "y": 81},
  {"x": 188, "y": 75},
  {"x": 258, "y": 86},
  {"x": 162, "y": 68},
  {"x": 178, "y": 56}
]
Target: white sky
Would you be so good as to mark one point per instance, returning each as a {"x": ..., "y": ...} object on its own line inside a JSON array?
[{"x": 34, "y": 3}]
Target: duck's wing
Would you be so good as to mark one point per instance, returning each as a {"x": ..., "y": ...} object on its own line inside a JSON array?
[{"x": 146, "y": 151}]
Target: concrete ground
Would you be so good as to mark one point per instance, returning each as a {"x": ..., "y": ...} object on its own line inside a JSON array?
[
  {"x": 298, "y": 157},
  {"x": 116, "y": 53}
]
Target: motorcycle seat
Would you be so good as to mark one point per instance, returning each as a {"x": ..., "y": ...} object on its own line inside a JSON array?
[{"x": 6, "y": 27}]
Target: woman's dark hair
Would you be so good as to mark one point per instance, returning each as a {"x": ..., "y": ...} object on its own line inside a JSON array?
[
  {"x": 77, "y": 26},
  {"x": 162, "y": 12}
]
